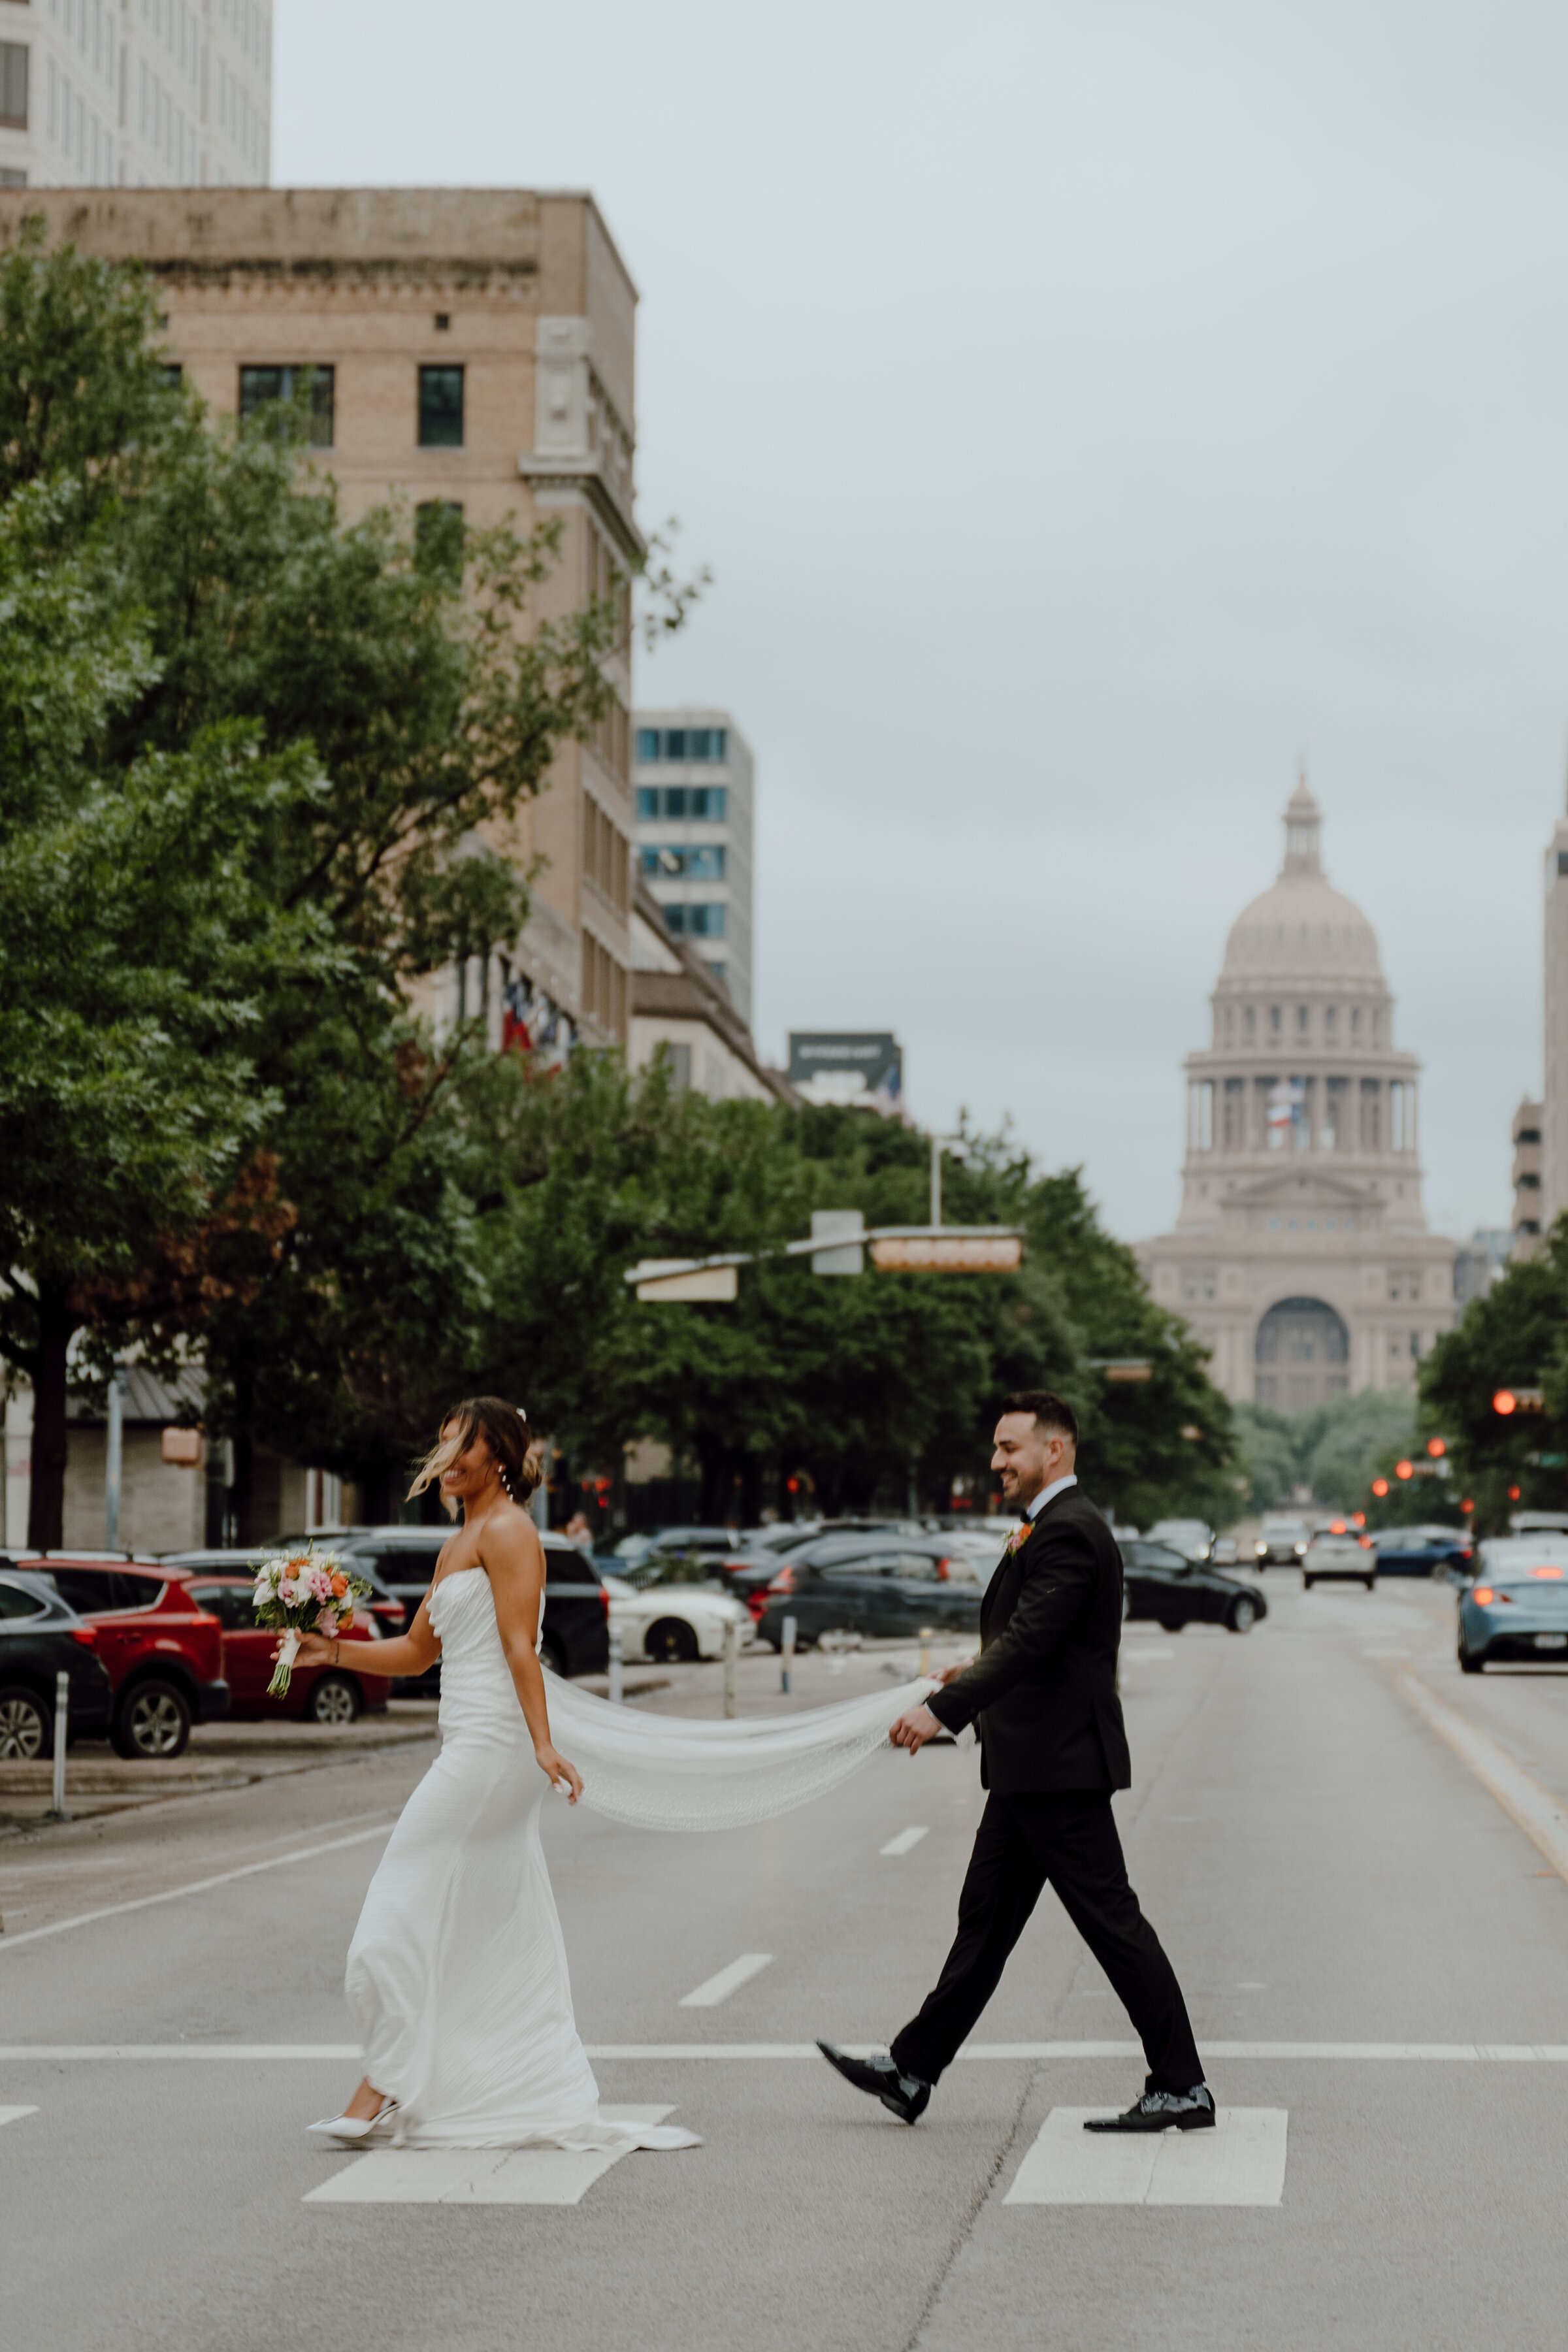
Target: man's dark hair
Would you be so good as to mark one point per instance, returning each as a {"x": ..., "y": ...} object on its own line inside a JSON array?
[{"x": 1052, "y": 1412}]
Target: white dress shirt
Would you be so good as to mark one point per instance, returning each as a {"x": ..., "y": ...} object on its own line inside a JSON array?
[{"x": 1046, "y": 1494}]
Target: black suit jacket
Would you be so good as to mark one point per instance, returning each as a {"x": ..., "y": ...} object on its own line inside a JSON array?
[{"x": 1042, "y": 1692}]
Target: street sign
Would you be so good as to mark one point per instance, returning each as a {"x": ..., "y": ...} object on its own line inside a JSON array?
[
  {"x": 847, "y": 1227},
  {"x": 715, "y": 1282},
  {"x": 943, "y": 1253}
]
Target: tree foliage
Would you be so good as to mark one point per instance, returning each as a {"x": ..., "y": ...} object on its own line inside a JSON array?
[{"x": 1515, "y": 1336}]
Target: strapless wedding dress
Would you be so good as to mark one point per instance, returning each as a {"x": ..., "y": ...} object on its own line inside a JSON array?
[{"x": 457, "y": 1974}]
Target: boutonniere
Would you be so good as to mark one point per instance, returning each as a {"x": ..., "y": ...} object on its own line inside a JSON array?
[{"x": 1020, "y": 1535}]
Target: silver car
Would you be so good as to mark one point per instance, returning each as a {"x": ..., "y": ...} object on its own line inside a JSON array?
[{"x": 1342, "y": 1556}]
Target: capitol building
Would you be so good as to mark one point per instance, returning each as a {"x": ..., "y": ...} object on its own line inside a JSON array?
[{"x": 1301, "y": 1256}]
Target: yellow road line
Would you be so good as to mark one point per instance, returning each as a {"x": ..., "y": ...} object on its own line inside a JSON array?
[{"x": 1531, "y": 1806}]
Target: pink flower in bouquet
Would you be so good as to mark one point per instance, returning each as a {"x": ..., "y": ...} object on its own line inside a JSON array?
[{"x": 1020, "y": 1536}]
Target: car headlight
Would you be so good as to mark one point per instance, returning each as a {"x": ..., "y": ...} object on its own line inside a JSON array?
[
  {"x": 1301, "y": 1551},
  {"x": 1262, "y": 1549}
]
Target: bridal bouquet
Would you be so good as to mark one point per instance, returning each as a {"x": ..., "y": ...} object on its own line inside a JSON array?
[{"x": 303, "y": 1592}]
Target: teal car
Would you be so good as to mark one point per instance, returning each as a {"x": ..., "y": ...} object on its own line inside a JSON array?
[{"x": 1517, "y": 1608}]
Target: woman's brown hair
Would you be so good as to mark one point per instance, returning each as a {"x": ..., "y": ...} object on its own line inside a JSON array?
[{"x": 517, "y": 1454}]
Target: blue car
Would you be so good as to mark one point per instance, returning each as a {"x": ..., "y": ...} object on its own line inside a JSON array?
[
  {"x": 1517, "y": 1608},
  {"x": 1424, "y": 1552}
]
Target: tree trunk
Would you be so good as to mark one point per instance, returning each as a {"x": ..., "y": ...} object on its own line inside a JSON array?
[{"x": 46, "y": 1503}]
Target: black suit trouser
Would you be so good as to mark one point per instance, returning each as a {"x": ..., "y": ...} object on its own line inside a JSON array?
[{"x": 1069, "y": 1838}]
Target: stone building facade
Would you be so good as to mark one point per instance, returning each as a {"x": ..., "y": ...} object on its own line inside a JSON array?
[
  {"x": 1301, "y": 1256},
  {"x": 471, "y": 349}
]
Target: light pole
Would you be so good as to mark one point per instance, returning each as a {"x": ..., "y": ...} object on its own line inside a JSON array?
[{"x": 114, "y": 1456}]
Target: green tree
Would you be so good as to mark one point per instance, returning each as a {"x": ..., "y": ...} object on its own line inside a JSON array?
[{"x": 1515, "y": 1336}]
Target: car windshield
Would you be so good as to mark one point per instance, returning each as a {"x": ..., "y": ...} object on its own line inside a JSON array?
[
  {"x": 660, "y": 1568},
  {"x": 1154, "y": 1555}
]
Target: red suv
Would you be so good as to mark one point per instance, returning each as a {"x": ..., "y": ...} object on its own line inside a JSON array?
[{"x": 164, "y": 1651}]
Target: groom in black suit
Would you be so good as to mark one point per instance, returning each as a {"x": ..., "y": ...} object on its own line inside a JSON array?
[{"x": 1042, "y": 1695}]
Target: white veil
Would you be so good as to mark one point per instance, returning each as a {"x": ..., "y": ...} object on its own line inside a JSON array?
[{"x": 671, "y": 1772}]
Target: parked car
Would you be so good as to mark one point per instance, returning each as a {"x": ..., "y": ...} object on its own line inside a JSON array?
[
  {"x": 878, "y": 1585},
  {"x": 339, "y": 1694},
  {"x": 1158, "y": 1582},
  {"x": 383, "y": 1605},
  {"x": 1339, "y": 1554},
  {"x": 1518, "y": 1606},
  {"x": 674, "y": 1611},
  {"x": 1193, "y": 1538},
  {"x": 1424, "y": 1551},
  {"x": 164, "y": 1654},
  {"x": 1282, "y": 1540},
  {"x": 576, "y": 1607},
  {"x": 39, "y": 1636}
]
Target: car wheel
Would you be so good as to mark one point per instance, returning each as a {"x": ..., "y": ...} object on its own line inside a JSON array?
[
  {"x": 1468, "y": 1666},
  {"x": 671, "y": 1642},
  {"x": 1243, "y": 1615},
  {"x": 1369, "y": 1582},
  {"x": 153, "y": 1720},
  {"x": 1172, "y": 1624},
  {"x": 335, "y": 1699},
  {"x": 553, "y": 1655},
  {"x": 25, "y": 1728},
  {"x": 1307, "y": 1582}
]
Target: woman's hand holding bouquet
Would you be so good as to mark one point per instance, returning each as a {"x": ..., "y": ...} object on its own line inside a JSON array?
[{"x": 300, "y": 1594}]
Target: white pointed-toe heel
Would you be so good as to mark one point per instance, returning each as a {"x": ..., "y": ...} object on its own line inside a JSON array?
[{"x": 348, "y": 2129}]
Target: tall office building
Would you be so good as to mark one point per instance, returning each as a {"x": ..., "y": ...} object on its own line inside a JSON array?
[
  {"x": 135, "y": 93},
  {"x": 1552, "y": 1197},
  {"x": 472, "y": 351},
  {"x": 695, "y": 784}
]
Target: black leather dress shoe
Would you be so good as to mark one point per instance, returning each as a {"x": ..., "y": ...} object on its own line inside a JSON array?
[
  {"x": 904, "y": 2095},
  {"x": 1159, "y": 2111}
]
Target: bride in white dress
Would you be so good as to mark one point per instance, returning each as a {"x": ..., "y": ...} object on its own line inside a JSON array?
[{"x": 457, "y": 1974}]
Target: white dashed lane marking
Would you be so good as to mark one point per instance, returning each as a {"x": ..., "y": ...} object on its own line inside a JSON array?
[
  {"x": 903, "y": 1842},
  {"x": 478, "y": 2175},
  {"x": 15, "y": 2115},
  {"x": 1240, "y": 2162},
  {"x": 709, "y": 1994}
]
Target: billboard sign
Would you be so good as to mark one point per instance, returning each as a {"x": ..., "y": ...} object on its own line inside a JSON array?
[{"x": 862, "y": 1067}]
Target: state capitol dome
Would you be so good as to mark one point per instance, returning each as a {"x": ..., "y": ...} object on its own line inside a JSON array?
[
  {"x": 1301, "y": 1255},
  {"x": 1302, "y": 925}
]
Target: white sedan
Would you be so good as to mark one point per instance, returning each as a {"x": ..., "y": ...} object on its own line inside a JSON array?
[{"x": 675, "y": 1613}]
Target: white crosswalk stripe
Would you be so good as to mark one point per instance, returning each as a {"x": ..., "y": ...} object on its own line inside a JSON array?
[
  {"x": 1240, "y": 2162},
  {"x": 903, "y": 1842},
  {"x": 478, "y": 2175}
]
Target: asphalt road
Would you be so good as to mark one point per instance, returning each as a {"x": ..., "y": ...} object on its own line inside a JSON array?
[{"x": 1361, "y": 1927}]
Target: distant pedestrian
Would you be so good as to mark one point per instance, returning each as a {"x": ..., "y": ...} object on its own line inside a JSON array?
[
  {"x": 1042, "y": 1695},
  {"x": 579, "y": 1532}
]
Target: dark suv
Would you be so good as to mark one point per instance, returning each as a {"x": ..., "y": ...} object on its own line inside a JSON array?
[
  {"x": 164, "y": 1654},
  {"x": 880, "y": 1585},
  {"x": 576, "y": 1606},
  {"x": 38, "y": 1637}
]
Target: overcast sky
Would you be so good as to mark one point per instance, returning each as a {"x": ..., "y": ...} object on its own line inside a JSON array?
[{"x": 1087, "y": 411}]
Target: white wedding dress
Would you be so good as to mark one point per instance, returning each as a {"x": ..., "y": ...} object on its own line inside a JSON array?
[{"x": 457, "y": 1975}]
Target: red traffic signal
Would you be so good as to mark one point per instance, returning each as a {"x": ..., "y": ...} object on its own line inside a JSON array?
[
  {"x": 1436, "y": 1448},
  {"x": 1404, "y": 1469},
  {"x": 1505, "y": 1401},
  {"x": 1380, "y": 1485}
]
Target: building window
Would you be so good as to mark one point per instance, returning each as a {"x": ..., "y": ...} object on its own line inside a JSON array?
[
  {"x": 683, "y": 744},
  {"x": 438, "y": 536},
  {"x": 440, "y": 408},
  {"x": 1328, "y": 1020},
  {"x": 443, "y": 321},
  {"x": 1200, "y": 1115},
  {"x": 14, "y": 85},
  {"x": 1563, "y": 861},
  {"x": 1301, "y": 1019},
  {"x": 702, "y": 862},
  {"x": 704, "y": 803},
  {"x": 1274, "y": 1020},
  {"x": 1356, "y": 1020},
  {"x": 679, "y": 1058},
  {"x": 258, "y": 387},
  {"x": 705, "y": 920},
  {"x": 10, "y": 179},
  {"x": 1252, "y": 1021}
]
